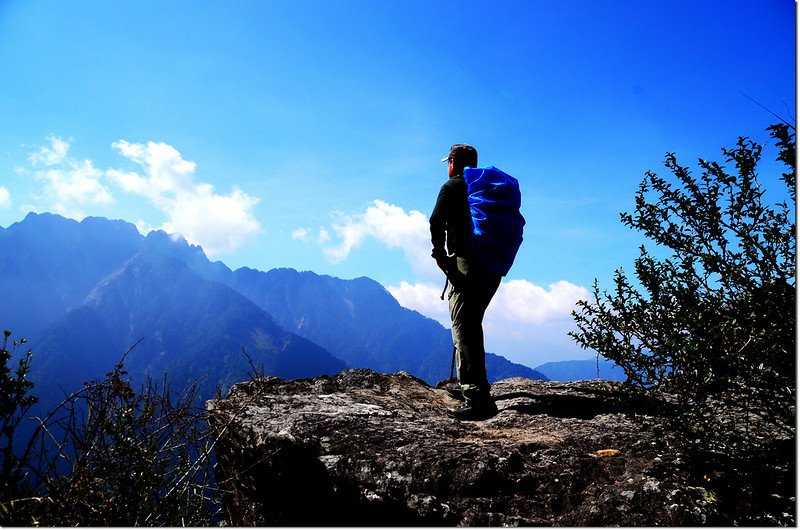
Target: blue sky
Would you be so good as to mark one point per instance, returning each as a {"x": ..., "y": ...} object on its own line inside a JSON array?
[{"x": 307, "y": 134}]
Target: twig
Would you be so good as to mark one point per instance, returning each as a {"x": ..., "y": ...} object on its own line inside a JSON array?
[{"x": 765, "y": 108}]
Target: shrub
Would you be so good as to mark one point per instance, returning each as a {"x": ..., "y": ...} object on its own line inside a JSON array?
[
  {"x": 110, "y": 456},
  {"x": 15, "y": 401},
  {"x": 713, "y": 323}
]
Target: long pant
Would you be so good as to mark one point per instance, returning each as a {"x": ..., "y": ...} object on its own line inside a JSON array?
[{"x": 471, "y": 290}]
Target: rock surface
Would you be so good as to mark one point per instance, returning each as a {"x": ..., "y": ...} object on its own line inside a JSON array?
[{"x": 363, "y": 448}]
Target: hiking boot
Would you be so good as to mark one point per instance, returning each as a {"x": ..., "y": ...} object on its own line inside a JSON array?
[
  {"x": 454, "y": 391},
  {"x": 472, "y": 411}
]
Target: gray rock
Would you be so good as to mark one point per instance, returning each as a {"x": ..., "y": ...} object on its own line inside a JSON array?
[{"x": 364, "y": 448}]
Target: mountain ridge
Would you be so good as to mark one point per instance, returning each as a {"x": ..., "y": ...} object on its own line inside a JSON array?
[
  {"x": 581, "y": 370},
  {"x": 194, "y": 335},
  {"x": 73, "y": 288},
  {"x": 388, "y": 334}
]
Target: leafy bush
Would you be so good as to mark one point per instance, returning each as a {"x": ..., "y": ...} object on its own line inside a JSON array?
[
  {"x": 713, "y": 323},
  {"x": 107, "y": 455},
  {"x": 15, "y": 401}
]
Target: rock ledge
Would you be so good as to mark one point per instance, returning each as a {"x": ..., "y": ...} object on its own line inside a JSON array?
[{"x": 363, "y": 448}]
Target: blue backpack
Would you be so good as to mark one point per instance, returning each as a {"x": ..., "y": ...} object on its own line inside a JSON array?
[{"x": 494, "y": 201}]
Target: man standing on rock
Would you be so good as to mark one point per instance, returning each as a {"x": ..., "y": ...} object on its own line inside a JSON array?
[{"x": 471, "y": 287}]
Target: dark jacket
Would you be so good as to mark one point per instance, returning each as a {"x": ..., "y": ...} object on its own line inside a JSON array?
[{"x": 450, "y": 221}]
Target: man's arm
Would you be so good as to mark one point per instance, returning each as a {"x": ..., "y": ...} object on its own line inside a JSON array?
[{"x": 438, "y": 222}]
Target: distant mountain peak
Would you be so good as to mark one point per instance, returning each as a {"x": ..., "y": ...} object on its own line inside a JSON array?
[
  {"x": 55, "y": 271},
  {"x": 173, "y": 238}
]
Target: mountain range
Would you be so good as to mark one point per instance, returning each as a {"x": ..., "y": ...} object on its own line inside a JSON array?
[
  {"x": 83, "y": 293},
  {"x": 582, "y": 369}
]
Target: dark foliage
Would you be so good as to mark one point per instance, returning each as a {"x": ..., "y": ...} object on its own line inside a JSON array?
[
  {"x": 15, "y": 401},
  {"x": 712, "y": 324},
  {"x": 108, "y": 456}
]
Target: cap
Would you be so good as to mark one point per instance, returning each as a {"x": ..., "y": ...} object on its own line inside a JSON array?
[{"x": 464, "y": 153}]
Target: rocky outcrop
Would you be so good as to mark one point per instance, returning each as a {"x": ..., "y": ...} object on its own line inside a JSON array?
[{"x": 363, "y": 448}]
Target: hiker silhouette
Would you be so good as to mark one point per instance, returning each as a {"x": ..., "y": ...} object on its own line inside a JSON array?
[{"x": 470, "y": 287}]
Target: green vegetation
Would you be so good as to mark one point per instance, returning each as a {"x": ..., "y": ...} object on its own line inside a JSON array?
[
  {"x": 15, "y": 401},
  {"x": 105, "y": 456},
  {"x": 712, "y": 324},
  {"x": 707, "y": 329}
]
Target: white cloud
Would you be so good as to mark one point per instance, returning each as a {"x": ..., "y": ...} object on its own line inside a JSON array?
[
  {"x": 5, "y": 198},
  {"x": 300, "y": 234},
  {"x": 219, "y": 223},
  {"x": 516, "y": 301},
  {"x": 304, "y": 234},
  {"x": 523, "y": 301},
  {"x": 526, "y": 323},
  {"x": 70, "y": 185},
  {"x": 167, "y": 174},
  {"x": 324, "y": 236},
  {"x": 423, "y": 297},
  {"x": 390, "y": 225},
  {"x": 529, "y": 324},
  {"x": 144, "y": 228},
  {"x": 51, "y": 155}
]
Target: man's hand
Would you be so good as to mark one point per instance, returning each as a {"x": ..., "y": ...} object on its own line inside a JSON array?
[{"x": 445, "y": 263}]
